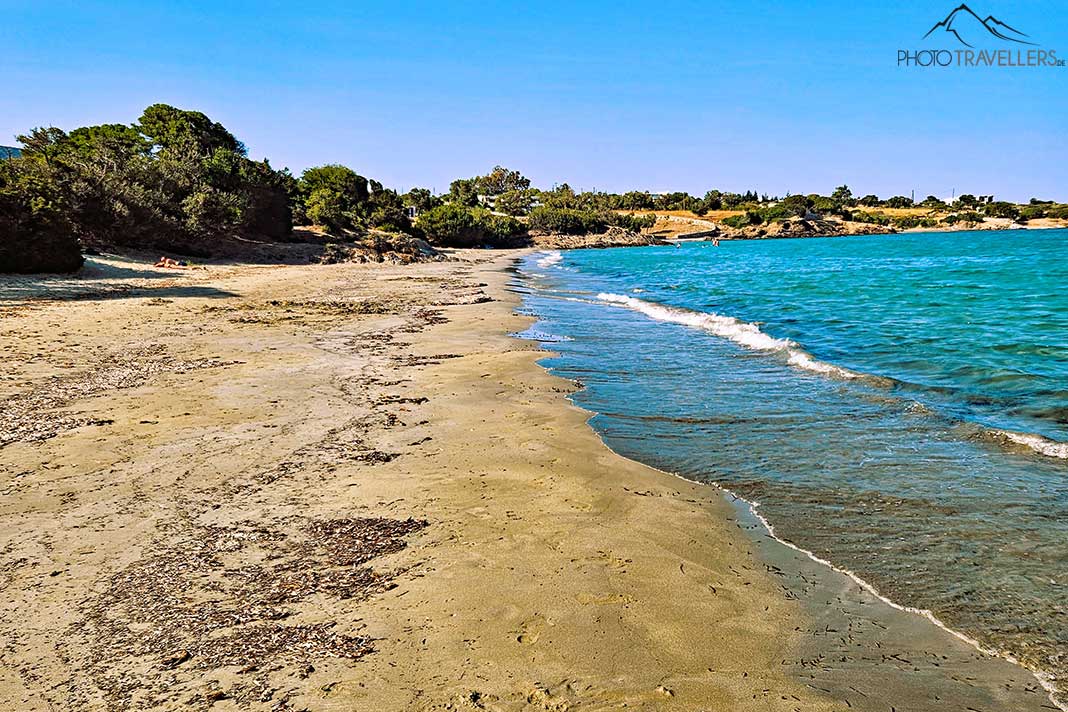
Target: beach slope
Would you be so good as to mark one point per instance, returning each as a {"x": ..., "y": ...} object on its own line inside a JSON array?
[{"x": 349, "y": 487}]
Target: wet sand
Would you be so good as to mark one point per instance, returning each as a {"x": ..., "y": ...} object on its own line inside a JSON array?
[{"x": 348, "y": 487}]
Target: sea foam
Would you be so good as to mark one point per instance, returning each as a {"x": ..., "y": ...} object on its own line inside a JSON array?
[
  {"x": 740, "y": 332},
  {"x": 751, "y": 337},
  {"x": 549, "y": 259}
]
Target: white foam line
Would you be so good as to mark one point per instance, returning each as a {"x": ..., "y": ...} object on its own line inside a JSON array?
[
  {"x": 740, "y": 332},
  {"x": 551, "y": 258},
  {"x": 1041, "y": 445},
  {"x": 750, "y": 336}
]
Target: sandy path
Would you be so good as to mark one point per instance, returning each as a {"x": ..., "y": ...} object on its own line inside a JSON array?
[{"x": 346, "y": 487}]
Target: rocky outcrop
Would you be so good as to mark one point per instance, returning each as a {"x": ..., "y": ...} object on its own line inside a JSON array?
[
  {"x": 382, "y": 247},
  {"x": 613, "y": 237},
  {"x": 805, "y": 227}
]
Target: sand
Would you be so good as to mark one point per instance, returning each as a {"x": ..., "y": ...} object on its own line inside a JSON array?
[{"x": 347, "y": 487}]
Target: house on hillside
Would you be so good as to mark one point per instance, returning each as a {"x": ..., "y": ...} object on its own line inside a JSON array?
[{"x": 9, "y": 152}]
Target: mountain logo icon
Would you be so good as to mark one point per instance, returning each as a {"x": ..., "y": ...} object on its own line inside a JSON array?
[{"x": 965, "y": 25}]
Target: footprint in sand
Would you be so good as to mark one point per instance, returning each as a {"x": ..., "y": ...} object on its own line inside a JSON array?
[{"x": 530, "y": 630}]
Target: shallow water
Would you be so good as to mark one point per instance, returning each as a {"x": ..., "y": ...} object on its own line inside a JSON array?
[{"x": 896, "y": 404}]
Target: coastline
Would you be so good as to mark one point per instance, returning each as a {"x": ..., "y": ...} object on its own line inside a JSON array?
[
  {"x": 551, "y": 573},
  {"x": 905, "y": 626}
]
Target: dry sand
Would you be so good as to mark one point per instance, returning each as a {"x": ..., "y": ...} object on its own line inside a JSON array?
[{"x": 348, "y": 488}]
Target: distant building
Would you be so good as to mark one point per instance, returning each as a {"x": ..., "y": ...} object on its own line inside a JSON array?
[{"x": 9, "y": 152}]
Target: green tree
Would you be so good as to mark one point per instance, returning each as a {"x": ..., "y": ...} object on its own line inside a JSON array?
[
  {"x": 421, "y": 199},
  {"x": 842, "y": 195},
  {"x": 464, "y": 191},
  {"x": 167, "y": 127},
  {"x": 515, "y": 202},
  {"x": 501, "y": 180}
]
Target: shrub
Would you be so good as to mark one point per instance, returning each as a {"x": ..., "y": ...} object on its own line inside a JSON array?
[
  {"x": 34, "y": 234},
  {"x": 327, "y": 207},
  {"x": 737, "y": 221},
  {"x": 565, "y": 221},
  {"x": 907, "y": 222},
  {"x": 963, "y": 217},
  {"x": 453, "y": 225},
  {"x": 872, "y": 218},
  {"x": 1002, "y": 209},
  {"x": 634, "y": 222}
]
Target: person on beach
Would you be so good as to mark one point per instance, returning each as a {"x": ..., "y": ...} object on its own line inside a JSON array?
[{"x": 171, "y": 264}]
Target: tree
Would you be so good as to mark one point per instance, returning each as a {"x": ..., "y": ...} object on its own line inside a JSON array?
[
  {"x": 336, "y": 197},
  {"x": 34, "y": 234},
  {"x": 421, "y": 199},
  {"x": 501, "y": 180},
  {"x": 870, "y": 201},
  {"x": 515, "y": 202},
  {"x": 167, "y": 127},
  {"x": 932, "y": 201},
  {"x": 340, "y": 179},
  {"x": 796, "y": 205},
  {"x": 899, "y": 201},
  {"x": 842, "y": 195},
  {"x": 1002, "y": 209},
  {"x": 464, "y": 191}
]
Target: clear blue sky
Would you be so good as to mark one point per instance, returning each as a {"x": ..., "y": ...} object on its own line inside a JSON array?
[{"x": 772, "y": 96}]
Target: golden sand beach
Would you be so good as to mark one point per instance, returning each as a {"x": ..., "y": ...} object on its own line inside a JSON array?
[{"x": 349, "y": 487}]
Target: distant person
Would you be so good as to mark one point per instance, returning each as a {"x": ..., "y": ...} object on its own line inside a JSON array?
[{"x": 171, "y": 264}]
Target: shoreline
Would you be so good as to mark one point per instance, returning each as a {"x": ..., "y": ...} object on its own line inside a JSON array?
[
  {"x": 531, "y": 566},
  {"x": 751, "y": 509}
]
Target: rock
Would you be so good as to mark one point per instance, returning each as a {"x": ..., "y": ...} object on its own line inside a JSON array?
[
  {"x": 806, "y": 227},
  {"x": 613, "y": 237},
  {"x": 382, "y": 247}
]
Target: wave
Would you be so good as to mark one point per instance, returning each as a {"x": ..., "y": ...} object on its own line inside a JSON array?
[
  {"x": 740, "y": 332},
  {"x": 750, "y": 336},
  {"x": 551, "y": 258},
  {"x": 1038, "y": 443}
]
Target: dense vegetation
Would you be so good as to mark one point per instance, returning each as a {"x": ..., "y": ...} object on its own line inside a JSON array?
[{"x": 179, "y": 181}]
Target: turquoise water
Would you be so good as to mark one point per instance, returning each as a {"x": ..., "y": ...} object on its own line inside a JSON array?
[{"x": 895, "y": 404}]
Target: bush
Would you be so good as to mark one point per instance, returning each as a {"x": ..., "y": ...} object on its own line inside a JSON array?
[
  {"x": 453, "y": 225},
  {"x": 328, "y": 207},
  {"x": 34, "y": 234},
  {"x": 963, "y": 217},
  {"x": 565, "y": 221},
  {"x": 872, "y": 218},
  {"x": 907, "y": 222},
  {"x": 1002, "y": 209},
  {"x": 738, "y": 221},
  {"x": 634, "y": 222}
]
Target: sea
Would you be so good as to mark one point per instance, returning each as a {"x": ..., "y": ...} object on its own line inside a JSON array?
[{"x": 897, "y": 405}]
